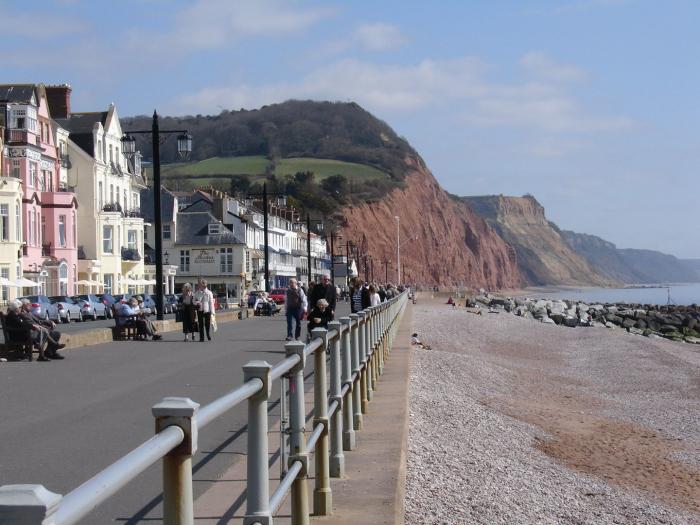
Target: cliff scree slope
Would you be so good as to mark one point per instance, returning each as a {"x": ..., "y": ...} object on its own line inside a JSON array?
[
  {"x": 446, "y": 243},
  {"x": 544, "y": 258}
]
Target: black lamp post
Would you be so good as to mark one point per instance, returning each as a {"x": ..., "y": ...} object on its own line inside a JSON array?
[
  {"x": 184, "y": 148},
  {"x": 281, "y": 201}
]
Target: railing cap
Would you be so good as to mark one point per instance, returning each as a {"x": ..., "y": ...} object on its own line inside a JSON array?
[
  {"x": 175, "y": 407},
  {"x": 27, "y": 504}
]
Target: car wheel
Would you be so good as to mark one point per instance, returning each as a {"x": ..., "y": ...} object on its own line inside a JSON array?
[
  {"x": 108, "y": 315},
  {"x": 80, "y": 317},
  {"x": 67, "y": 318},
  {"x": 46, "y": 316},
  {"x": 94, "y": 315}
]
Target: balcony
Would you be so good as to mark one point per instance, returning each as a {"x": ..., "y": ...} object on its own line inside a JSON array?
[
  {"x": 134, "y": 214},
  {"x": 20, "y": 136},
  {"x": 130, "y": 254},
  {"x": 65, "y": 161},
  {"x": 46, "y": 250},
  {"x": 112, "y": 207},
  {"x": 81, "y": 253}
]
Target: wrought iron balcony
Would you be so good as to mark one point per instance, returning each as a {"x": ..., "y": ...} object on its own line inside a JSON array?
[
  {"x": 65, "y": 161},
  {"x": 130, "y": 254},
  {"x": 112, "y": 206},
  {"x": 135, "y": 213}
]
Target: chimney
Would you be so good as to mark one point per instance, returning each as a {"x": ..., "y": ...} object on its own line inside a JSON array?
[{"x": 58, "y": 98}]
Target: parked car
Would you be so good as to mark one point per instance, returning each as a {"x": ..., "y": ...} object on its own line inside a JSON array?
[
  {"x": 91, "y": 306},
  {"x": 42, "y": 307},
  {"x": 108, "y": 300},
  {"x": 277, "y": 295},
  {"x": 172, "y": 301},
  {"x": 149, "y": 302},
  {"x": 68, "y": 309}
]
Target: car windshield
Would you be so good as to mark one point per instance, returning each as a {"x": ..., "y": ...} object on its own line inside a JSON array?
[
  {"x": 32, "y": 298},
  {"x": 61, "y": 299},
  {"x": 83, "y": 297}
]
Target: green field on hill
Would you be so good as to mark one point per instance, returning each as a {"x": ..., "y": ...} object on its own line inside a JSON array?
[{"x": 214, "y": 169}]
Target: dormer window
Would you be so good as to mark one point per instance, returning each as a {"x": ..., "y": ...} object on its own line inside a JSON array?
[{"x": 215, "y": 229}]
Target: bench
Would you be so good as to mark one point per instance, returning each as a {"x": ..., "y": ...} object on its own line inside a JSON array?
[
  {"x": 126, "y": 331},
  {"x": 19, "y": 348}
]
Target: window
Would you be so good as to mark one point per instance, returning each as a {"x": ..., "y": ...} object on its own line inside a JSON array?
[
  {"x": 62, "y": 231},
  {"x": 184, "y": 260},
  {"x": 32, "y": 175},
  {"x": 166, "y": 231},
  {"x": 31, "y": 227},
  {"x": 43, "y": 228},
  {"x": 126, "y": 206},
  {"x": 16, "y": 169},
  {"x": 99, "y": 149},
  {"x": 107, "y": 239},
  {"x": 5, "y": 274},
  {"x": 100, "y": 195},
  {"x": 226, "y": 260},
  {"x": 131, "y": 239},
  {"x": 118, "y": 202},
  {"x": 145, "y": 234},
  {"x": 107, "y": 280},
  {"x": 36, "y": 229},
  {"x": 18, "y": 222},
  {"x": 4, "y": 222},
  {"x": 75, "y": 231},
  {"x": 214, "y": 229},
  {"x": 111, "y": 159}
]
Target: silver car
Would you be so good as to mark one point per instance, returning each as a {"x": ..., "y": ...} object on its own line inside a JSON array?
[
  {"x": 68, "y": 309},
  {"x": 91, "y": 306}
]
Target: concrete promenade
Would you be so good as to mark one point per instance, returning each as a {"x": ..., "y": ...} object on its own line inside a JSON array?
[{"x": 69, "y": 419}]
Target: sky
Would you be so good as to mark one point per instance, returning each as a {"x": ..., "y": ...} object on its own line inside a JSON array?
[{"x": 591, "y": 106}]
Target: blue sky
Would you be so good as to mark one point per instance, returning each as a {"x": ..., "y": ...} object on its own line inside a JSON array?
[{"x": 589, "y": 105}]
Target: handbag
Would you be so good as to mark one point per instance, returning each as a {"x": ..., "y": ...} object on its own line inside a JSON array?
[{"x": 214, "y": 326}]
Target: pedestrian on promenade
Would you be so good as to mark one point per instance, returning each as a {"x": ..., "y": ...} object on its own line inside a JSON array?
[
  {"x": 188, "y": 312},
  {"x": 294, "y": 308},
  {"x": 324, "y": 290},
  {"x": 374, "y": 298},
  {"x": 319, "y": 316},
  {"x": 204, "y": 300},
  {"x": 355, "y": 295}
]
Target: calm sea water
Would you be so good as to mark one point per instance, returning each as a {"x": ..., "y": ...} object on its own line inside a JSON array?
[{"x": 681, "y": 294}]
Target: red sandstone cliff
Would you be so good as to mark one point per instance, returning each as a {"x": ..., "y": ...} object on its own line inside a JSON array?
[{"x": 451, "y": 245}]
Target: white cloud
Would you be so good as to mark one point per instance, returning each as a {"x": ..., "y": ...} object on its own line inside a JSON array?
[
  {"x": 541, "y": 65},
  {"x": 459, "y": 87},
  {"x": 378, "y": 36}
]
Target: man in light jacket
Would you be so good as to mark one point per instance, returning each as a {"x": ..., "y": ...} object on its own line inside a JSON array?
[
  {"x": 204, "y": 300},
  {"x": 295, "y": 306}
]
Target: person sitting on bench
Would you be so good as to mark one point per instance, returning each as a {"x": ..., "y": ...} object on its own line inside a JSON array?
[{"x": 127, "y": 313}]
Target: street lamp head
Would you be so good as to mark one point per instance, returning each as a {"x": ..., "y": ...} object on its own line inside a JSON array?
[
  {"x": 184, "y": 145},
  {"x": 128, "y": 146}
]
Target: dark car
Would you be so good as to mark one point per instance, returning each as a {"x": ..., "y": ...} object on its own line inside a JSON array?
[
  {"x": 91, "y": 306},
  {"x": 42, "y": 307},
  {"x": 170, "y": 301},
  {"x": 108, "y": 300}
]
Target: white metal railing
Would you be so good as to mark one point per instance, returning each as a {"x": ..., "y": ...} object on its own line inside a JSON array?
[{"x": 358, "y": 345}]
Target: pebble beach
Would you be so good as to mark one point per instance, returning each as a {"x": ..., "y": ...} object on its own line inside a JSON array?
[{"x": 515, "y": 421}]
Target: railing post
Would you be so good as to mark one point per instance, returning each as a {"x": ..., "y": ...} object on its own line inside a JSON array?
[
  {"x": 382, "y": 338},
  {"x": 297, "y": 440},
  {"x": 258, "y": 489},
  {"x": 322, "y": 491},
  {"x": 178, "y": 503},
  {"x": 346, "y": 350},
  {"x": 27, "y": 504},
  {"x": 363, "y": 361},
  {"x": 337, "y": 458},
  {"x": 356, "y": 360},
  {"x": 369, "y": 321},
  {"x": 373, "y": 347}
]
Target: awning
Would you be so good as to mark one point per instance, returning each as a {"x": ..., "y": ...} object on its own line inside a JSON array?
[
  {"x": 26, "y": 283},
  {"x": 96, "y": 283},
  {"x": 84, "y": 283},
  {"x": 4, "y": 281}
]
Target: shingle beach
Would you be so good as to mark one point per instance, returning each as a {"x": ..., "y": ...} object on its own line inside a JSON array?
[{"x": 515, "y": 421}]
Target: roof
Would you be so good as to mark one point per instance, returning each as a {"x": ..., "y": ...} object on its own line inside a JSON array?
[
  {"x": 167, "y": 204},
  {"x": 17, "y": 92},
  {"x": 81, "y": 126},
  {"x": 193, "y": 228}
]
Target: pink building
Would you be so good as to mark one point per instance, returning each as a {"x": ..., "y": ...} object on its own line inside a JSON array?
[{"x": 50, "y": 244}]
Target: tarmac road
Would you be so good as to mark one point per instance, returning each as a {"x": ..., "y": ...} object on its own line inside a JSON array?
[{"x": 64, "y": 421}]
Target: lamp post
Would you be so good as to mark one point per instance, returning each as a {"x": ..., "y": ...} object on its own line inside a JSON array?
[
  {"x": 398, "y": 249},
  {"x": 184, "y": 148},
  {"x": 281, "y": 201}
]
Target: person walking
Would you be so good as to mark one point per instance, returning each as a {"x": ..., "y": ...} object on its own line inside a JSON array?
[
  {"x": 188, "y": 312},
  {"x": 294, "y": 308},
  {"x": 204, "y": 300},
  {"x": 374, "y": 298},
  {"x": 324, "y": 290}
]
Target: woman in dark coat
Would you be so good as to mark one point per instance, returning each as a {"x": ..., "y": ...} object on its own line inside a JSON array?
[
  {"x": 319, "y": 316},
  {"x": 188, "y": 312}
]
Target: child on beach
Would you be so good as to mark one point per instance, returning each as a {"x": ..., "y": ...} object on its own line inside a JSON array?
[{"x": 417, "y": 342}]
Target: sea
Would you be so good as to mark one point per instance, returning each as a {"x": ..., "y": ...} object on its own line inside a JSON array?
[{"x": 678, "y": 294}]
